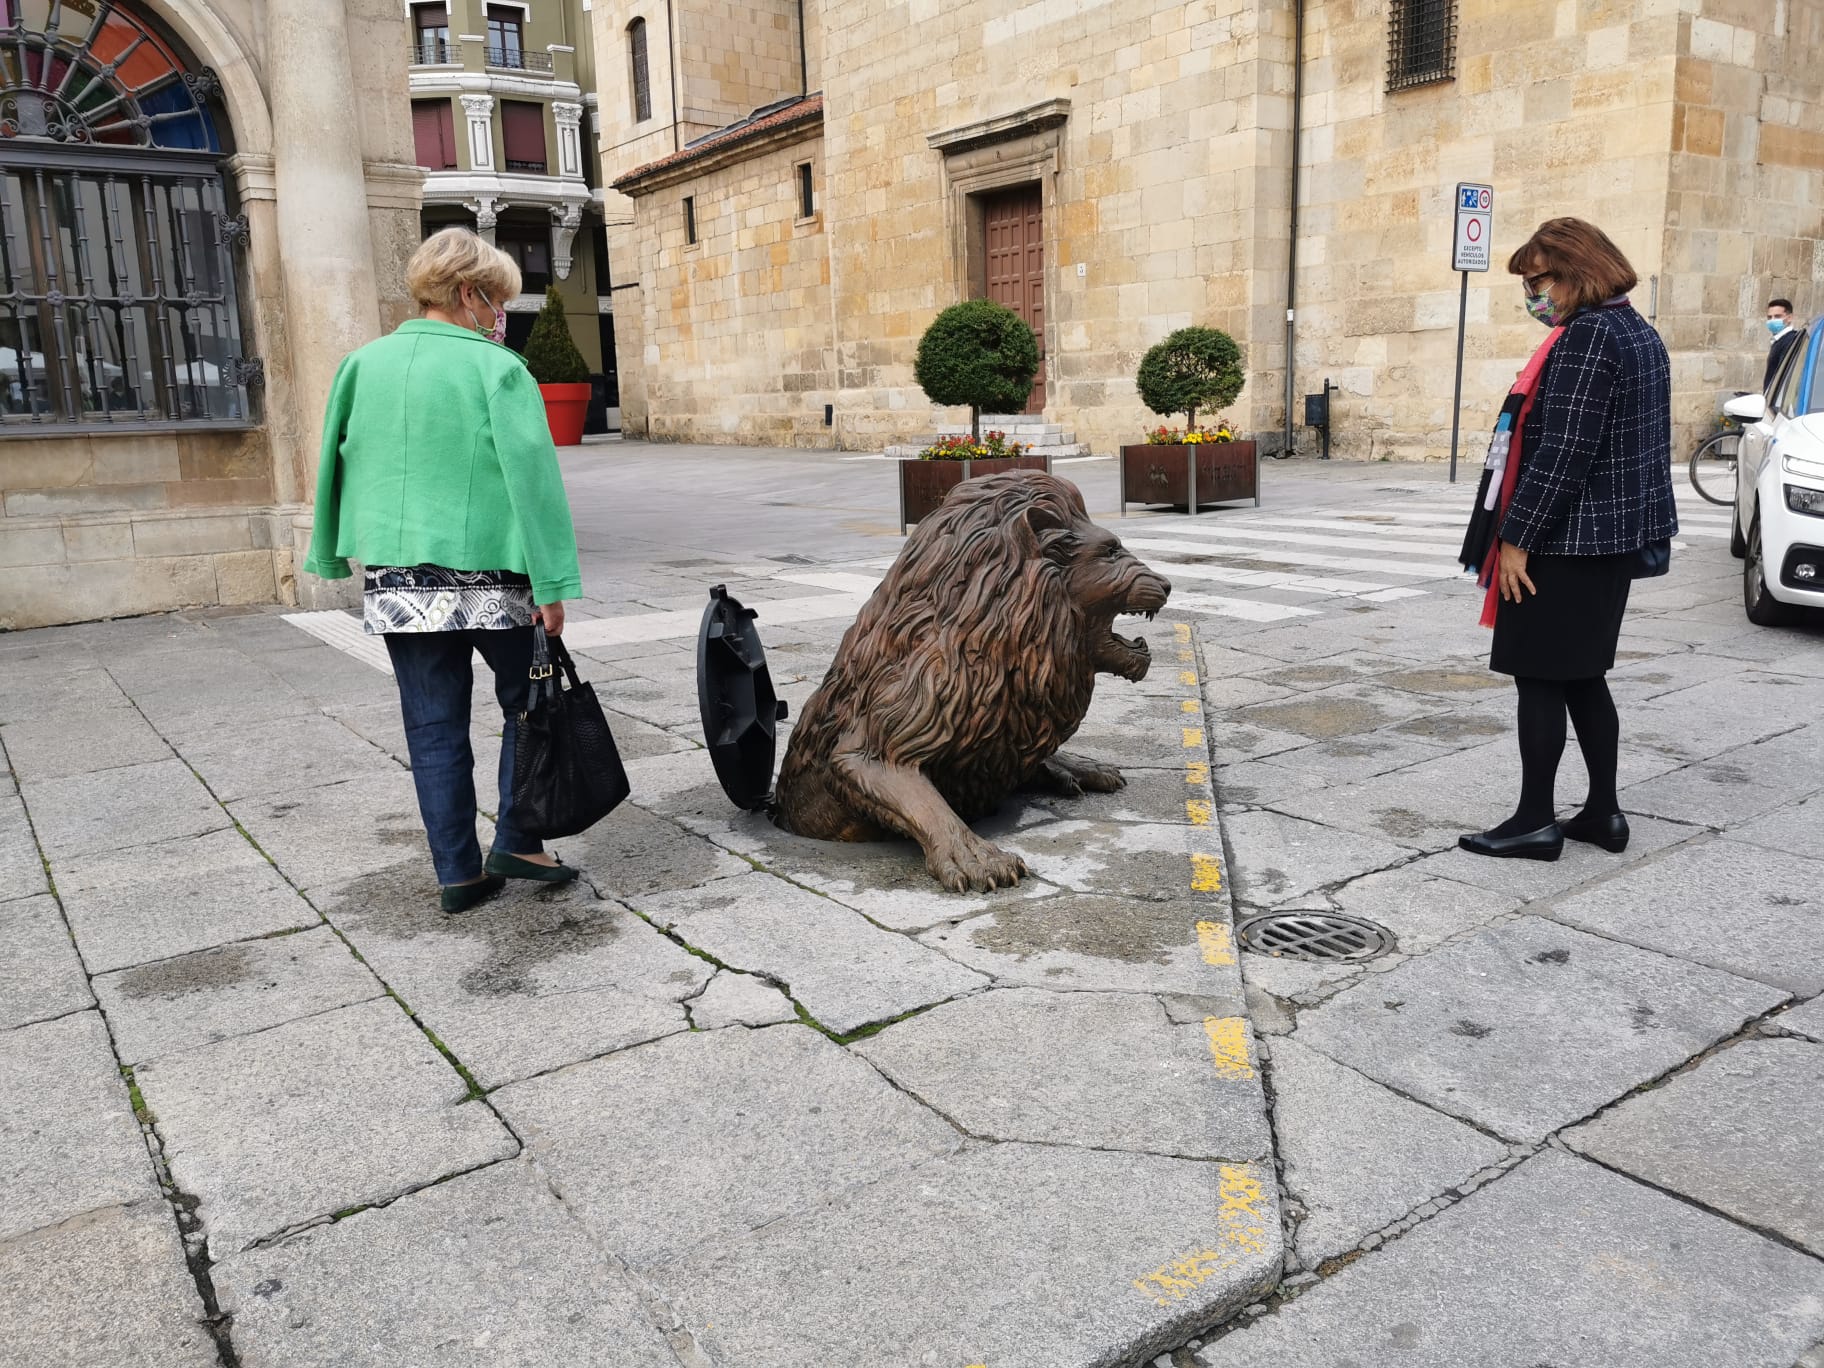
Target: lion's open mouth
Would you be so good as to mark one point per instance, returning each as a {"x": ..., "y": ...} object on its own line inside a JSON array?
[{"x": 1127, "y": 657}]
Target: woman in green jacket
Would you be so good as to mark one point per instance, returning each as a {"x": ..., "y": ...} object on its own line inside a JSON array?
[{"x": 438, "y": 475}]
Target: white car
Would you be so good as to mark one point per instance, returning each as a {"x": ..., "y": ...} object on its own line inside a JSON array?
[{"x": 1779, "y": 487}]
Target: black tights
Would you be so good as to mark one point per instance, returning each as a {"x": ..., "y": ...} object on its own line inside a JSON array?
[{"x": 1544, "y": 704}]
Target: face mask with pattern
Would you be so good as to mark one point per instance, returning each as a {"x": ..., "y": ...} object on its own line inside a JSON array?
[
  {"x": 1541, "y": 307},
  {"x": 497, "y": 333}
]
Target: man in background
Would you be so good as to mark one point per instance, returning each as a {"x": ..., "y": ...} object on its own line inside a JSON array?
[{"x": 1779, "y": 323}]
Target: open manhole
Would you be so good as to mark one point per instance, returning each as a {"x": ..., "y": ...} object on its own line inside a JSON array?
[{"x": 1314, "y": 936}]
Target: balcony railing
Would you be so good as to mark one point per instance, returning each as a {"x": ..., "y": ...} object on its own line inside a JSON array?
[
  {"x": 517, "y": 59},
  {"x": 432, "y": 52},
  {"x": 537, "y": 168}
]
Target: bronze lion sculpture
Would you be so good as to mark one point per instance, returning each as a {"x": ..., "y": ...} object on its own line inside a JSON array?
[{"x": 971, "y": 664}]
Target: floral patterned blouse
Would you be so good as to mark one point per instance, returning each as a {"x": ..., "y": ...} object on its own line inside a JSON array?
[{"x": 429, "y": 598}]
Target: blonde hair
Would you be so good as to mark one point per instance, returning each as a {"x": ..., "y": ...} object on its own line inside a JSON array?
[{"x": 452, "y": 258}]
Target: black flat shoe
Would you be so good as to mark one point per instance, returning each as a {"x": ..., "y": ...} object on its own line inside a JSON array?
[
  {"x": 1611, "y": 832},
  {"x": 1547, "y": 843},
  {"x": 512, "y": 867},
  {"x": 461, "y": 897}
]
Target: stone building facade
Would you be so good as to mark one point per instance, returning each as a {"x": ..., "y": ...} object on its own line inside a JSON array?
[
  {"x": 1141, "y": 155},
  {"x": 503, "y": 107},
  {"x": 221, "y": 202}
]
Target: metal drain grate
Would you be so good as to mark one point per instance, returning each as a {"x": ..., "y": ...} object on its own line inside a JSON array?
[{"x": 1314, "y": 936}]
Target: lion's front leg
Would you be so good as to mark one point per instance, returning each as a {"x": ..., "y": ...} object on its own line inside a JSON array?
[
  {"x": 1074, "y": 775},
  {"x": 902, "y": 799}
]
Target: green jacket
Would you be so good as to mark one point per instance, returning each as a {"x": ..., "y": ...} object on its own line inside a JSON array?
[{"x": 436, "y": 452}]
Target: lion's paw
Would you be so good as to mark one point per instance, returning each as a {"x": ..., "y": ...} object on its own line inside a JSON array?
[
  {"x": 1086, "y": 776},
  {"x": 975, "y": 867}
]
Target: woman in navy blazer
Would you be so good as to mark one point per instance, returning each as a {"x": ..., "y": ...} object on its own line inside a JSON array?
[{"x": 1591, "y": 509}]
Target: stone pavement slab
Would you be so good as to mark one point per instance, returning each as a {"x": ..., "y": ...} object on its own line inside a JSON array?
[
  {"x": 1797, "y": 829},
  {"x": 55, "y": 688},
  {"x": 1087, "y": 941},
  {"x": 486, "y": 1268},
  {"x": 1559, "y": 1262},
  {"x": 1735, "y": 786},
  {"x": 131, "y": 806},
  {"x": 971, "y": 1260},
  {"x": 1738, "y": 1134},
  {"x": 177, "y": 1004},
  {"x": 60, "y": 745},
  {"x": 1112, "y": 857},
  {"x": 632, "y": 852},
  {"x": 1104, "y": 1070},
  {"x": 847, "y": 972},
  {"x": 1357, "y": 1156},
  {"x": 776, "y": 1121},
  {"x": 1421, "y": 911},
  {"x": 40, "y": 976},
  {"x": 293, "y": 1124},
  {"x": 1275, "y": 858},
  {"x": 1749, "y": 910},
  {"x": 321, "y": 838},
  {"x": 105, "y": 1290},
  {"x": 68, "y": 1140},
  {"x": 529, "y": 981},
  {"x": 1805, "y": 1020},
  {"x": 1526, "y": 1027},
  {"x": 21, "y": 866},
  {"x": 1580, "y": 863},
  {"x": 169, "y": 898},
  {"x": 731, "y": 999},
  {"x": 280, "y": 757}
]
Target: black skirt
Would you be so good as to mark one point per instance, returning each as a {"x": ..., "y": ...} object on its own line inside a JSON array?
[{"x": 1569, "y": 628}]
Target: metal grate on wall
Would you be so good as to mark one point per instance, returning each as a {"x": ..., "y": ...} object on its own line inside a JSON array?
[
  {"x": 117, "y": 297},
  {"x": 1421, "y": 42}
]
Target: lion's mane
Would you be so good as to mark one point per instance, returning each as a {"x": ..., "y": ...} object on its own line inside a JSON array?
[{"x": 970, "y": 662}]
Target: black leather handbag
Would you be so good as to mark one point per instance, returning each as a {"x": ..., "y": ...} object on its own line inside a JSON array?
[
  {"x": 1652, "y": 560},
  {"x": 567, "y": 771}
]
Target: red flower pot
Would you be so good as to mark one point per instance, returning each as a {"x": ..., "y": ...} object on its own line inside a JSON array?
[{"x": 566, "y": 409}]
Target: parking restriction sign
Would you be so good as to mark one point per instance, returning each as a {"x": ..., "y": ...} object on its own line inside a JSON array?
[{"x": 1475, "y": 226}]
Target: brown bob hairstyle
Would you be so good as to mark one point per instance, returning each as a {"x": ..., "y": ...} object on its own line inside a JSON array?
[{"x": 1577, "y": 255}]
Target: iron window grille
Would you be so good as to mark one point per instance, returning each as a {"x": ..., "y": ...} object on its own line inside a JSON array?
[
  {"x": 514, "y": 59},
  {"x": 1421, "y": 43},
  {"x": 642, "y": 77},
  {"x": 118, "y": 305}
]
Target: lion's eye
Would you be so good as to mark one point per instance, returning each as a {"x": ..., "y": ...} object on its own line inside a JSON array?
[{"x": 1112, "y": 550}]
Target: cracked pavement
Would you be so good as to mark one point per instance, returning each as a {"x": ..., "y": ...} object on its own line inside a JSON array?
[{"x": 740, "y": 1099}]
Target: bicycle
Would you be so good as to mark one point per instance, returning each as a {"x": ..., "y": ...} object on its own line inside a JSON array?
[{"x": 1712, "y": 467}]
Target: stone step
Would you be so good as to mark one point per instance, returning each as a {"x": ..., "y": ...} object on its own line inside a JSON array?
[
  {"x": 1050, "y": 433},
  {"x": 1056, "y": 450}
]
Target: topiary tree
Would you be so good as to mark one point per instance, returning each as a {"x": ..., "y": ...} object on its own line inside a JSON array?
[
  {"x": 551, "y": 353},
  {"x": 977, "y": 353},
  {"x": 1194, "y": 368}
]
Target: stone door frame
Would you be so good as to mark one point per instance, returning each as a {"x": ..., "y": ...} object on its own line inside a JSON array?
[{"x": 1004, "y": 153}]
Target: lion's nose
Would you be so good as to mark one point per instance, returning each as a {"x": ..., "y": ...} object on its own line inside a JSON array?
[{"x": 1149, "y": 592}]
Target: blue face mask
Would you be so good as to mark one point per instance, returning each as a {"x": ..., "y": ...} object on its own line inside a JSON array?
[{"x": 1776, "y": 326}]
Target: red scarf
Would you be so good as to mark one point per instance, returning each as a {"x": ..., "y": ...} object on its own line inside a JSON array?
[{"x": 1527, "y": 387}]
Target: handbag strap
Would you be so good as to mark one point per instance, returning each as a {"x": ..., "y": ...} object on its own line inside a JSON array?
[
  {"x": 560, "y": 657},
  {"x": 549, "y": 657}
]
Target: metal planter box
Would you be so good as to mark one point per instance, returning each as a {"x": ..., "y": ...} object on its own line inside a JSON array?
[
  {"x": 923, "y": 484},
  {"x": 1189, "y": 477}
]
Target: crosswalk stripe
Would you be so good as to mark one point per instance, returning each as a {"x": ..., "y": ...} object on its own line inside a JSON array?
[
  {"x": 1390, "y": 530},
  {"x": 1409, "y": 570},
  {"x": 1317, "y": 539},
  {"x": 1248, "y": 610},
  {"x": 670, "y": 626},
  {"x": 1266, "y": 579}
]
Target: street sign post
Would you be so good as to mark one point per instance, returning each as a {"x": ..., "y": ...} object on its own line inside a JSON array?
[{"x": 1469, "y": 251}]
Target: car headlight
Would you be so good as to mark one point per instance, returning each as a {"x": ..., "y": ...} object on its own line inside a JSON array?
[
  {"x": 1798, "y": 465},
  {"x": 1802, "y": 500}
]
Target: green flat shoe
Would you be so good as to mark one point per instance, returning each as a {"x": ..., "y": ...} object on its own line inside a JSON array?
[
  {"x": 461, "y": 897},
  {"x": 512, "y": 867}
]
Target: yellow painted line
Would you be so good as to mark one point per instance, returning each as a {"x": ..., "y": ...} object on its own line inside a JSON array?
[
  {"x": 1186, "y": 658},
  {"x": 1193, "y": 738},
  {"x": 1188, "y": 678},
  {"x": 1182, "y": 630},
  {"x": 1217, "y": 943},
  {"x": 1198, "y": 810},
  {"x": 1206, "y": 873},
  {"x": 1190, "y": 705},
  {"x": 1229, "y": 1048},
  {"x": 1242, "y": 1231},
  {"x": 1197, "y": 772}
]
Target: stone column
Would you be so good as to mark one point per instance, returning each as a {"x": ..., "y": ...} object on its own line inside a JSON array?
[
  {"x": 326, "y": 245},
  {"x": 480, "y": 112}
]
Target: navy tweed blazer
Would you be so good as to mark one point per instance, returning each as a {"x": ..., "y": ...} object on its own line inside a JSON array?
[{"x": 1596, "y": 466}]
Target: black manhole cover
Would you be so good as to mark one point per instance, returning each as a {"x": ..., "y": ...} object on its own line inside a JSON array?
[{"x": 1314, "y": 936}]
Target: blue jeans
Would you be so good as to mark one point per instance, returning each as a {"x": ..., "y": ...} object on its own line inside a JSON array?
[{"x": 436, "y": 677}]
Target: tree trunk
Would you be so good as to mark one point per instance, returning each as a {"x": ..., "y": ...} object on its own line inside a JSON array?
[
  {"x": 1190, "y": 420},
  {"x": 975, "y": 424}
]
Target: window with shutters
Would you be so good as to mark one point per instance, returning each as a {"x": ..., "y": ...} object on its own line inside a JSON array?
[
  {"x": 434, "y": 134},
  {"x": 642, "y": 79},
  {"x": 522, "y": 128},
  {"x": 1421, "y": 42},
  {"x": 431, "y": 34}
]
